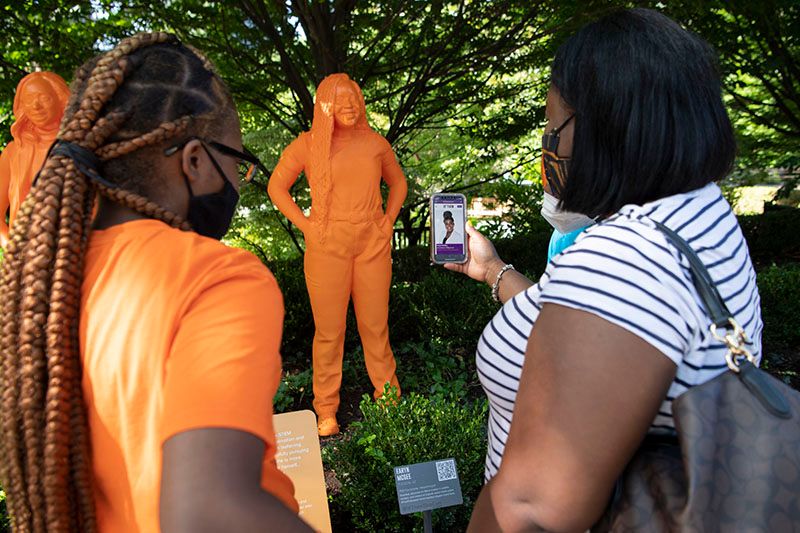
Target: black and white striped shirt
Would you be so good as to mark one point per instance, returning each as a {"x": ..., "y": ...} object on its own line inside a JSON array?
[{"x": 624, "y": 270}]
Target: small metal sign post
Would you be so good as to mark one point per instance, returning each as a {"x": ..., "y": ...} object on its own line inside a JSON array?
[{"x": 422, "y": 487}]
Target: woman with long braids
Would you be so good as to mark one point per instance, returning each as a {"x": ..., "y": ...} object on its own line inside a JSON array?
[
  {"x": 140, "y": 356},
  {"x": 348, "y": 236},
  {"x": 38, "y": 106}
]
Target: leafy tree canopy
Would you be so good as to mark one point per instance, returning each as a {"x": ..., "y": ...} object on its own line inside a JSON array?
[{"x": 457, "y": 87}]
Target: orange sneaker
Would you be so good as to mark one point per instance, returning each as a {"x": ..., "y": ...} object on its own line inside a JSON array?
[{"x": 327, "y": 426}]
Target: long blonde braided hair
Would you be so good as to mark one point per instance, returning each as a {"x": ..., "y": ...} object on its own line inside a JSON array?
[{"x": 124, "y": 105}]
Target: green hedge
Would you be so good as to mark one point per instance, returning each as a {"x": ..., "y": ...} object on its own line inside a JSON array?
[
  {"x": 773, "y": 237},
  {"x": 428, "y": 302},
  {"x": 416, "y": 429},
  {"x": 5, "y": 523},
  {"x": 779, "y": 288}
]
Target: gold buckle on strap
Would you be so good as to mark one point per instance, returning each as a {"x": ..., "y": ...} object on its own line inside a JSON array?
[{"x": 735, "y": 340}]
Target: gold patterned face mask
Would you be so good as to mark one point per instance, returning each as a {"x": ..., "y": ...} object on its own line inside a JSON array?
[{"x": 554, "y": 168}]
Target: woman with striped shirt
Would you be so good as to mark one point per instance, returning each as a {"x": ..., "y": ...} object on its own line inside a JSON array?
[{"x": 580, "y": 365}]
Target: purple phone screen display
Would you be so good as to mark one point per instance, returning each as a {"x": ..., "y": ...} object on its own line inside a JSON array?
[{"x": 448, "y": 225}]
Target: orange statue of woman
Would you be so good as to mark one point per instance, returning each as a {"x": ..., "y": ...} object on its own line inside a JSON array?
[
  {"x": 38, "y": 107},
  {"x": 348, "y": 235}
]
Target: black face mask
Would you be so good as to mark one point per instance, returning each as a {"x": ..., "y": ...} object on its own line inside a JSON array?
[{"x": 211, "y": 214}]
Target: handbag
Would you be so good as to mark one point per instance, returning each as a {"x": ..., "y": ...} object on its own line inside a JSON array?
[{"x": 733, "y": 463}]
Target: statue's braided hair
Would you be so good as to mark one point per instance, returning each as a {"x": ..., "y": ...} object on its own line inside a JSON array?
[
  {"x": 124, "y": 105},
  {"x": 319, "y": 172}
]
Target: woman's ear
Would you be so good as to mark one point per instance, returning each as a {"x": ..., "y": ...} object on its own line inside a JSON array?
[{"x": 192, "y": 157}]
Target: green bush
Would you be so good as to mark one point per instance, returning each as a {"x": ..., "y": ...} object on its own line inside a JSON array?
[
  {"x": 444, "y": 305},
  {"x": 298, "y": 329},
  {"x": 292, "y": 390},
  {"x": 434, "y": 368},
  {"x": 412, "y": 264},
  {"x": 5, "y": 522},
  {"x": 773, "y": 237},
  {"x": 426, "y": 301},
  {"x": 779, "y": 287},
  {"x": 528, "y": 253},
  {"x": 415, "y": 429}
]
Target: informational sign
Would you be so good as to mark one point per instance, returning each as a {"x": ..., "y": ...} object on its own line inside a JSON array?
[
  {"x": 425, "y": 486},
  {"x": 299, "y": 457}
]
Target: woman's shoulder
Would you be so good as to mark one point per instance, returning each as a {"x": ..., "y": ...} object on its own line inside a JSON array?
[
  {"x": 218, "y": 261},
  {"x": 374, "y": 137},
  {"x": 178, "y": 254},
  {"x": 9, "y": 149},
  {"x": 300, "y": 143},
  {"x": 632, "y": 229},
  {"x": 619, "y": 239}
]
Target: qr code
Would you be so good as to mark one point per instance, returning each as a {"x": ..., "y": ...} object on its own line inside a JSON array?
[{"x": 446, "y": 470}]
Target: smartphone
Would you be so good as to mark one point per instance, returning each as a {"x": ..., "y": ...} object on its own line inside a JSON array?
[{"x": 448, "y": 234}]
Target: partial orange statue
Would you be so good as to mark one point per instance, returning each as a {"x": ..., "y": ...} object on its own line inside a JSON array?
[
  {"x": 348, "y": 235},
  {"x": 38, "y": 107}
]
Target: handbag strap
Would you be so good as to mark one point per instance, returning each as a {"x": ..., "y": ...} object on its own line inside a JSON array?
[{"x": 721, "y": 318}]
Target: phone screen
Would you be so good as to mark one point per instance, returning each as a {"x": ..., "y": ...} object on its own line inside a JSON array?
[{"x": 448, "y": 235}]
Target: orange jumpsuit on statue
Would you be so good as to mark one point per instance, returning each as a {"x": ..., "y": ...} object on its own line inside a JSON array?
[
  {"x": 348, "y": 237},
  {"x": 38, "y": 107}
]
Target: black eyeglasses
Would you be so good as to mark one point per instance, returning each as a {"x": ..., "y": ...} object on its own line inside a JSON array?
[{"x": 250, "y": 167}]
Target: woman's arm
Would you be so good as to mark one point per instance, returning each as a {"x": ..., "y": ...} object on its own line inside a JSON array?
[
  {"x": 210, "y": 482},
  {"x": 283, "y": 177},
  {"x": 589, "y": 391},
  {"x": 398, "y": 188},
  {"x": 219, "y": 379},
  {"x": 483, "y": 264}
]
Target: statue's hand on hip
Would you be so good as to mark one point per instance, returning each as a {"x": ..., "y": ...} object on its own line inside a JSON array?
[
  {"x": 386, "y": 226},
  {"x": 310, "y": 231}
]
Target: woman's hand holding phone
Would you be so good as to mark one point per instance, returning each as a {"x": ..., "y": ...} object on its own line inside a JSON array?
[{"x": 482, "y": 259}]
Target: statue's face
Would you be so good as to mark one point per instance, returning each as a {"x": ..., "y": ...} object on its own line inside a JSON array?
[
  {"x": 40, "y": 104},
  {"x": 346, "y": 108}
]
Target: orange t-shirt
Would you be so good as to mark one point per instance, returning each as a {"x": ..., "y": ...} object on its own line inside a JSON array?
[
  {"x": 359, "y": 159},
  {"x": 177, "y": 332}
]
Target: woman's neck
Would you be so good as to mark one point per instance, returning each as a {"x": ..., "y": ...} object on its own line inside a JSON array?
[
  {"x": 111, "y": 214},
  {"x": 345, "y": 132},
  {"x": 48, "y": 130}
]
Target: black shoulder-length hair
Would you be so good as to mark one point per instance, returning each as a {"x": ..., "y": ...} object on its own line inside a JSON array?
[{"x": 649, "y": 118}]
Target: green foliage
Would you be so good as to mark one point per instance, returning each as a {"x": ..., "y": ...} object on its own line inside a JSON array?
[
  {"x": 258, "y": 226},
  {"x": 413, "y": 430},
  {"x": 427, "y": 303},
  {"x": 50, "y": 35},
  {"x": 465, "y": 119},
  {"x": 519, "y": 196},
  {"x": 437, "y": 368},
  {"x": 788, "y": 188},
  {"x": 528, "y": 253},
  {"x": 759, "y": 52},
  {"x": 773, "y": 237},
  {"x": 5, "y": 522},
  {"x": 293, "y": 389},
  {"x": 779, "y": 288},
  {"x": 444, "y": 305},
  {"x": 298, "y": 330}
]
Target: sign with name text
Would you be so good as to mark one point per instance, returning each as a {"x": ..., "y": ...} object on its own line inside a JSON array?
[{"x": 426, "y": 486}]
